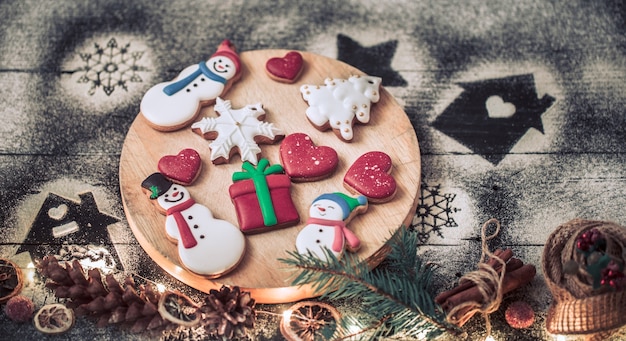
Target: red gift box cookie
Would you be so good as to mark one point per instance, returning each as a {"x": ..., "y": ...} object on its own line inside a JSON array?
[{"x": 262, "y": 198}]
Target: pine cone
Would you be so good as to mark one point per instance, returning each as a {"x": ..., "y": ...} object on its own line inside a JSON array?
[
  {"x": 227, "y": 312},
  {"x": 108, "y": 301}
]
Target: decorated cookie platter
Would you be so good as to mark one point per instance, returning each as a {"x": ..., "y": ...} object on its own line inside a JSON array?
[{"x": 259, "y": 270}]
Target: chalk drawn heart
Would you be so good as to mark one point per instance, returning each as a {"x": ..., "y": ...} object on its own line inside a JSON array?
[
  {"x": 285, "y": 69},
  {"x": 57, "y": 213},
  {"x": 304, "y": 161},
  {"x": 498, "y": 108},
  {"x": 370, "y": 176},
  {"x": 182, "y": 168}
]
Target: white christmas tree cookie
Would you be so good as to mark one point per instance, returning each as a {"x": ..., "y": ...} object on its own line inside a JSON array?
[
  {"x": 206, "y": 245},
  {"x": 325, "y": 229},
  {"x": 237, "y": 130},
  {"x": 173, "y": 105},
  {"x": 340, "y": 103}
]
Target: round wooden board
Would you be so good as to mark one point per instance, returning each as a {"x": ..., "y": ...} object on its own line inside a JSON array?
[{"x": 260, "y": 272}]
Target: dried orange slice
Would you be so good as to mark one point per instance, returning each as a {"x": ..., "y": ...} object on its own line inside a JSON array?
[
  {"x": 310, "y": 321},
  {"x": 54, "y": 319},
  {"x": 178, "y": 308}
]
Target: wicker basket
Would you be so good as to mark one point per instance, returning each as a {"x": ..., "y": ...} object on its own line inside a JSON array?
[
  {"x": 12, "y": 280},
  {"x": 577, "y": 308}
]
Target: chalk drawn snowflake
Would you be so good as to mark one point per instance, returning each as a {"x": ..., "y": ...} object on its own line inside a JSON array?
[
  {"x": 110, "y": 66},
  {"x": 434, "y": 212}
]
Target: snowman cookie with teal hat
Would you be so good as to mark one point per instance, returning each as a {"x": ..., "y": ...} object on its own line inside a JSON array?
[{"x": 326, "y": 231}]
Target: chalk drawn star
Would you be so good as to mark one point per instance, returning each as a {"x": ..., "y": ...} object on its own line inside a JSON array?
[{"x": 373, "y": 60}]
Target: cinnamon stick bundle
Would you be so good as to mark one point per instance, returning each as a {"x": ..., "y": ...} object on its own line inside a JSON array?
[{"x": 517, "y": 275}]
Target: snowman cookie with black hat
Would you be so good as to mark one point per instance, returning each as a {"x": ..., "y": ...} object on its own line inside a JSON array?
[
  {"x": 325, "y": 230},
  {"x": 206, "y": 245}
]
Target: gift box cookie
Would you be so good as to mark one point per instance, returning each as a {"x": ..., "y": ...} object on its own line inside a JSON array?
[{"x": 262, "y": 198}]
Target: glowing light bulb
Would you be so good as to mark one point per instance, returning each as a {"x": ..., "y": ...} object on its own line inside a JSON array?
[
  {"x": 490, "y": 338},
  {"x": 287, "y": 315},
  {"x": 160, "y": 287},
  {"x": 354, "y": 329},
  {"x": 561, "y": 338},
  {"x": 30, "y": 274}
]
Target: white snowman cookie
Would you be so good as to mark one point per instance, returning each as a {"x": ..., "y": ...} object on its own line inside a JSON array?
[
  {"x": 206, "y": 245},
  {"x": 325, "y": 230},
  {"x": 173, "y": 105}
]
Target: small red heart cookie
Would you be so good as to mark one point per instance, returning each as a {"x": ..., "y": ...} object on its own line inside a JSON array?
[
  {"x": 303, "y": 161},
  {"x": 370, "y": 176},
  {"x": 285, "y": 69},
  {"x": 182, "y": 168}
]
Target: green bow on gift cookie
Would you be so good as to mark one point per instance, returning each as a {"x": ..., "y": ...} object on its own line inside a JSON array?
[{"x": 258, "y": 176}]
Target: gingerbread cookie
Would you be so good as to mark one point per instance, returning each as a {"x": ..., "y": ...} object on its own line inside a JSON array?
[
  {"x": 182, "y": 168},
  {"x": 325, "y": 231},
  {"x": 237, "y": 131},
  {"x": 262, "y": 198},
  {"x": 340, "y": 103},
  {"x": 173, "y": 105},
  {"x": 304, "y": 161},
  {"x": 206, "y": 245},
  {"x": 286, "y": 69},
  {"x": 370, "y": 175}
]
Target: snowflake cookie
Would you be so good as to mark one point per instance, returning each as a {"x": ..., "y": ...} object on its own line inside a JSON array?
[
  {"x": 340, "y": 102},
  {"x": 237, "y": 130}
]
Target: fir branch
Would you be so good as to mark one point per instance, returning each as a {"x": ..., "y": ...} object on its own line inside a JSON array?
[{"x": 398, "y": 291}]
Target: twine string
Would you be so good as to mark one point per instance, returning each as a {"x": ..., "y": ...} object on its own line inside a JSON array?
[{"x": 487, "y": 280}]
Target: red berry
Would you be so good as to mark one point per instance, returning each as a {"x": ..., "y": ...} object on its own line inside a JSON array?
[
  {"x": 19, "y": 308},
  {"x": 519, "y": 315}
]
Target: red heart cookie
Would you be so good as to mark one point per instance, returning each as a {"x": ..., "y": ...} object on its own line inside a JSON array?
[
  {"x": 285, "y": 69},
  {"x": 303, "y": 161},
  {"x": 370, "y": 176},
  {"x": 182, "y": 168}
]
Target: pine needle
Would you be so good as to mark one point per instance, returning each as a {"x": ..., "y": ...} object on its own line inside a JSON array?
[{"x": 395, "y": 294}]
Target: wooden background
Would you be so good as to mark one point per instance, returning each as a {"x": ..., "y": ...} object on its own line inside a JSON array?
[{"x": 72, "y": 76}]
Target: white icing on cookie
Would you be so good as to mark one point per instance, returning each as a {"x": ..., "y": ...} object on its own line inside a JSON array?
[
  {"x": 237, "y": 128},
  {"x": 340, "y": 102},
  {"x": 325, "y": 230},
  {"x": 172, "y": 105},
  {"x": 219, "y": 245}
]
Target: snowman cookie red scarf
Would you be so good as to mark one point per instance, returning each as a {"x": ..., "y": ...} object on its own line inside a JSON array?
[
  {"x": 341, "y": 232},
  {"x": 186, "y": 237}
]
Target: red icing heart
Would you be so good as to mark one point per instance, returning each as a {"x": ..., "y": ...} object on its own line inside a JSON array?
[
  {"x": 287, "y": 68},
  {"x": 370, "y": 176},
  {"x": 303, "y": 161},
  {"x": 182, "y": 168}
]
